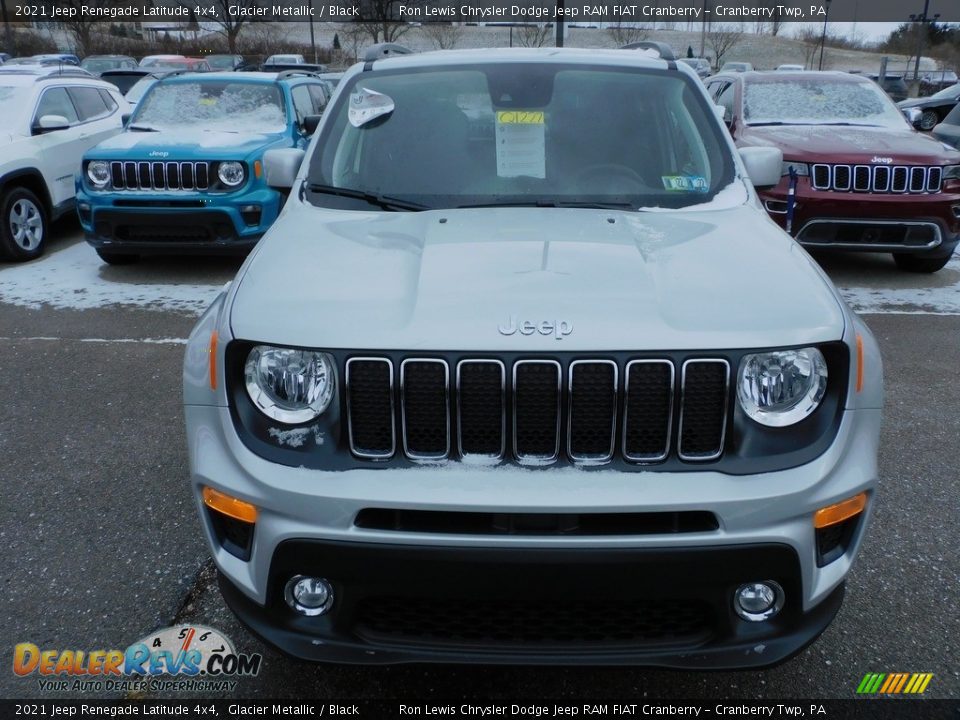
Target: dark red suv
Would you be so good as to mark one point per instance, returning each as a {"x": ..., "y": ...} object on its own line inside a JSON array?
[{"x": 864, "y": 178}]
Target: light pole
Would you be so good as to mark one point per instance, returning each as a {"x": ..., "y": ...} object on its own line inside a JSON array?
[
  {"x": 921, "y": 35},
  {"x": 703, "y": 28},
  {"x": 313, "y": 42},
  {"x": 823, "y": 35},
  {"x": 8, "y": 33}
]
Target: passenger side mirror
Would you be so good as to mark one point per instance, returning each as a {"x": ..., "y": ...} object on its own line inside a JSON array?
[
  {"x": 764, "y": 165},
  {"x": 310, "y": 123},
  {"x": 51, "y": 123},
  {"x": 281, "y": 166}
]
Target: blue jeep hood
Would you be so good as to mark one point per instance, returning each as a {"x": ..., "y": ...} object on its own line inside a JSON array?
[{"x": 184, "y": 145}]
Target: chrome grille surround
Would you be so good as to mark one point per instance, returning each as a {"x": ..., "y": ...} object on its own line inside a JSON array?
[
  {"x": 156, "y": 175},
  {"x": 571, "y": 398},
  {"x": 626, "y": 413},
  {"x": 412, "y": 453},
  {"x": 912, "y": 179},
  {"x": 726, "y": 402},
  {"x": 361, "y": 452}
]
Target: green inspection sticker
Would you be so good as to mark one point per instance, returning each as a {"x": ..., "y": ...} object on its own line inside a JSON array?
[{"x": 684, "y": 183}]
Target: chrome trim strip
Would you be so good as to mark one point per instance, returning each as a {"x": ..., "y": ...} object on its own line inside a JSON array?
[
  {"x": 726, "y": 410},
  {"x": 393, "y": 414},
  {"x": 503, "y": 410},
  {"x": 403, "y": 410},
  {"x": 938, "y": 238},
  {"x": 536, "y": 459},
  {"x": 626, "y": 411},
  {"x": 591, "y": 459}
]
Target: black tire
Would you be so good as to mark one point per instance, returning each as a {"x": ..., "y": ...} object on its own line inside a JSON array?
[
  {"x": 115, "y": 258},
  {"x": 929, "y": 120},
  {"x": 919, "y": 264},
  {"x": 23, "y": 225}
]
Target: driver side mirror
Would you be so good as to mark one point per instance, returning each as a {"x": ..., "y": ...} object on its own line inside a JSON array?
[
  {"x": 310, "y": 123},
  {"x": 51, "y": 123},
  {"x": 764, "y": 165},
  {"x": 281, "y": 166}
]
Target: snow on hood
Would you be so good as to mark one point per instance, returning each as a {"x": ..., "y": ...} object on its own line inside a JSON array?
[
  {"x": 189, "y": 143},
  {"x": 664, "y": 280}
]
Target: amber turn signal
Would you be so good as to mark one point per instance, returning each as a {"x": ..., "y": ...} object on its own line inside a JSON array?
[
  {"x": 838, "y": 512},
  {"x": 229, "y": 506}
]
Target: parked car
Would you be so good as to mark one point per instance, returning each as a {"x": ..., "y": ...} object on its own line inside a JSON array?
[
  {"x": 934, "y": 82},
  {"x": 4, "y": 57},
  {"x": 225, "y": 62},
  {"x": 284, "y": 60},
  {"x": 520, "y": 367},
  {"x": 867, "y": 180},
  {"x": 154, "y": 59},
  {"x": 299, "y": 67},
  {"x": 124, "y": 79},
  {"x": 184, "y": 64},
  {"x": 99, "y": 64},
  {"x": 68, "y": 58},
  {"x": 893, "y": 85},
  {"x": 50, "y": 118},
  {"x": 934, "y": 108},
  {"x": 948, "y": 131},
  {"x": 186, "y": 175},
  {"x": 701, "y": 66},
  {"x": 736, "y": 67},
  {"x": 788, "y": 67}
]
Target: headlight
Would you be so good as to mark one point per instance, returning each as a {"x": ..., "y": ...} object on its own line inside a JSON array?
[
  {"x": 230, "y": 173},
  {"x": 783, "y": 387},
  {"x": 99, "y": 173},
  {"x": 802, "y": 168},
  {"x": 291, "y": 386}
]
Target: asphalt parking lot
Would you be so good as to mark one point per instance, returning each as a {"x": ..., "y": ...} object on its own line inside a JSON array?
[{"x": 101, "y": 542}]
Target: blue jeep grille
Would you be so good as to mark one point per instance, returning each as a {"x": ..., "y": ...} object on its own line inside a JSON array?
[{"x": 160, "y": 175}]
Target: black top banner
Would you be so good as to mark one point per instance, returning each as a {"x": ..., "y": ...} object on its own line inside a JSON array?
[{"x": 486, "y": 11}]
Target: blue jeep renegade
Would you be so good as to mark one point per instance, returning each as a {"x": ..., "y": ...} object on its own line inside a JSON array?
[{"x": 186, "y": 175}]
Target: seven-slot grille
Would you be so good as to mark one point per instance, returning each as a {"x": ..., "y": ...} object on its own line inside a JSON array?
[
  {"x": 877, "y": 178},
  {"x": 534, "y": 411},
  {"x": 160, "y": 175}
]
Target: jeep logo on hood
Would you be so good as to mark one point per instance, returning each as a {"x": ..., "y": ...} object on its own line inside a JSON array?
[
  {"x": 558, "y": 328},
  {"x": 159, "y": 153},
  {"x": 884, "y": 160}
]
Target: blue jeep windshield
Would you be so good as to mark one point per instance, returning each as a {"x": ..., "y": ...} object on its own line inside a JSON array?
[
  {"x": 521, "y": 134},
  {"x": 212, "y": 105}
]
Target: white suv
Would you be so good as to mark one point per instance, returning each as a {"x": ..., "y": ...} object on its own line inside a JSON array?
[{"x": 50, "y": 118}]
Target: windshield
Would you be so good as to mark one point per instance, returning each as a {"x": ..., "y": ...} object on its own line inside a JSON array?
[
  {"x": 947, "y": 93},
  {"x": 220, "y": 105},
  {"x": 819, "y": 101},
  {"x": 140, "y": 88},
  {"x": 521, "y": 134}
]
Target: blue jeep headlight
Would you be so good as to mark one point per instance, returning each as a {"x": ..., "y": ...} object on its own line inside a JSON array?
[
  {"x": 99, "y": 173},
  {"x": 231, "y": 173}
]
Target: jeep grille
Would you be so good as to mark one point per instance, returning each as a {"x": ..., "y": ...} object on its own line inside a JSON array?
[
  {"x": 877, "y": 178},
  {"x": 534, "y": 410},
  {"x": 160, "y": 175}
]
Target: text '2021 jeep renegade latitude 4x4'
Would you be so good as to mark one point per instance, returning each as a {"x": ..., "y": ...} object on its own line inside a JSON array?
[{"x": 524, "y": 373}]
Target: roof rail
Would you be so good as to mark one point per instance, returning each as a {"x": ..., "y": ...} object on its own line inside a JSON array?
[
  {"x": 384, "y": 50},
  {"x": 66, "y": 72},
  {"x": 284, "y": 74},
  {"x": 664, "y": 50}
]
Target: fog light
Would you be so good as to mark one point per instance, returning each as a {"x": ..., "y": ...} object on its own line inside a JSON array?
[
  {"x": 758, "y": 601},
  {"x": 308, "y": 595}
]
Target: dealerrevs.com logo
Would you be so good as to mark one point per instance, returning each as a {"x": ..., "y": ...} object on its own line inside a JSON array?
[{"x": 186, "y": 657}]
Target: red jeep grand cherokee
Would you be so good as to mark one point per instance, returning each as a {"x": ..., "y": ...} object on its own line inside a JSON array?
[{"x": 866, "y": 180}]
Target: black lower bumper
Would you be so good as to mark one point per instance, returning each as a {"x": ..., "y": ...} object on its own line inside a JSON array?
[
  {"x": 185, "y": 231},
  {"x": 402, "y": 603}
]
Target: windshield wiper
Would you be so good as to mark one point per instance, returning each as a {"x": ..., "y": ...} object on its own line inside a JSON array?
[
  {"x": 382, "y": 201},
  {"x": 541, "y": 203},
  {"x": 142, "y": 128}
]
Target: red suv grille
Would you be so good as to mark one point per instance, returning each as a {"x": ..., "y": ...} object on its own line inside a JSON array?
[{"x": 877, "y": 178}]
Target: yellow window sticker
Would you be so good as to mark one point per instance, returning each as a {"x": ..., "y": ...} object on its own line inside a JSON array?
[{"x": 521, "y": 143}]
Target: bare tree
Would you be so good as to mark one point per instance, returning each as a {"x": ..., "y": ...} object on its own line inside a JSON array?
[
  {"x": 80, "y": 28},
  {"x": 532, "y": 34},
  {"x": 624, "y": 33},
  {"x": 444, "y": 36},
  {"x": 380, "y": 19},
  {"x": 810, "y": 37},
  {"x": 229, "y": 24},
  {"x": 722, "y": 38},
  {"x": 352, "y": 35}
]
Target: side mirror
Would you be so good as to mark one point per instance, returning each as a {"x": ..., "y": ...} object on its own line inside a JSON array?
[
  {"x": 50, "y": 123},
  {"x": 763, "y": 164},
  {"x": 281, "y": 166},
  {"x": 310, "y": 123},
  {"x": 913, "y": 116}
]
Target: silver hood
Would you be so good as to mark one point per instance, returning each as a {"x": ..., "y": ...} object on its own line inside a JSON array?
[{"x": 448, "y": 280}]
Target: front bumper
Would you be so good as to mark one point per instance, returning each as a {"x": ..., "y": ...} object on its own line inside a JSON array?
[
  {"x": 132, "y": 222},
  {"x": 307, "y": 524}
]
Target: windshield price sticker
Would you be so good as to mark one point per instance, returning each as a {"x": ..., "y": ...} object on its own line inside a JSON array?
[
  {"x": 521, "y": 145},
  {"x": 368, "y": 105}
]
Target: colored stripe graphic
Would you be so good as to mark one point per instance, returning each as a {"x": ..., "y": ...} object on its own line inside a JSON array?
[{"x": 894, "y": 683}]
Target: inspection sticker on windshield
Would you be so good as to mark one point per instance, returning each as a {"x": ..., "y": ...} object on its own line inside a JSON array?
[
  {"x": 520, "y": 143},
  {"x": 685, "y": 183}
]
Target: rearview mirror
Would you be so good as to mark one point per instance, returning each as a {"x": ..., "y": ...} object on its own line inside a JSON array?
[
  {"x": 49, "y": 123},
  {"x": 281, "y": 166},
  {"x": 763, "y": 164}
]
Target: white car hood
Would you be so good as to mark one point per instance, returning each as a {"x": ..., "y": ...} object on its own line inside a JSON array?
[{"x": 448, "y": 280}]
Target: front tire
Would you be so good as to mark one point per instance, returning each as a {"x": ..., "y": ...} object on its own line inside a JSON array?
[
  {"x": 919, "y": 264},
  {"x": 929, "y": 120},
  {"x": 23, "y": 225},
  {"x": 115, "y": 258}
]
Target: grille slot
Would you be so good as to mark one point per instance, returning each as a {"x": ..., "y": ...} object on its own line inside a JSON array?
[
  {"x": 481, "y": 408},
  {"x": 899, "y": 182},
  {"x": 821, "y": 177},
  {"x": 536, "y": 406},
  {"x": 934, "y": 179},
  {"x": 425, "y": 403},
  {"x": 370, "y": 414},
  {"x": 841, "y": 177},
  {"x": 918, "y": 179},
  {"x": 881, "y": 178},
  {"x": 648, "y": 410},
  {"x": 592, "y": 410},
  {"x": 703, "y": 408},
  {"x": 861, "y": 178},
  {"x": 160, "y": 175}
]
